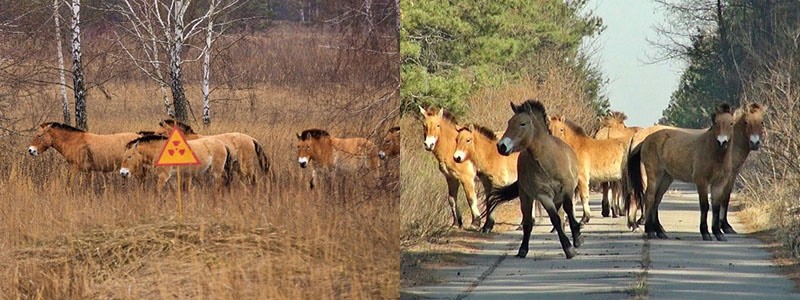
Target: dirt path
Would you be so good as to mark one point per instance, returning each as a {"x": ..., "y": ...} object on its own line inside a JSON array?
[{"x": 614, "y": 263}]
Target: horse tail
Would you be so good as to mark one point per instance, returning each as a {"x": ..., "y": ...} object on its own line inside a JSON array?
[
  {"x": 499, "y": 196},
  {"x": 228, "y": 168},
  {"x": 263, "y": 160},
  {"x": 632, "y": 182}
]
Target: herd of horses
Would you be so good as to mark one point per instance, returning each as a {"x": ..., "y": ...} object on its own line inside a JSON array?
[
  {"x": 550, "y": 160},
  {"x": 221, "y": 156}
]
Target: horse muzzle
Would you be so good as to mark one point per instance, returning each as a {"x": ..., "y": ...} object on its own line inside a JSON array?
[
  {"x": 430, "y": 143},
  {"x": 381, "y": 155},
  {"x": 723, "y": 141},
  {"x": 755, "y": 142},
  {"x": 125, "y": 172},
  {"x": 33, "y": 151},
  {"x": 459, "y": 156},
  {"x": 504, "y": 146}
]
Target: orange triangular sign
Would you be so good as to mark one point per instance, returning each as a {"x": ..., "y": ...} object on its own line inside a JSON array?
[{"x": 176, "y": 151}]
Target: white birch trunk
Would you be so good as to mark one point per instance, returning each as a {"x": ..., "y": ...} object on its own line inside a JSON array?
[
  {"x": 176, "y": 82},
  {"x": 207, "y": 63},
  {"x": 61, "y": 80},
  {"x": 77, "y": 68}
]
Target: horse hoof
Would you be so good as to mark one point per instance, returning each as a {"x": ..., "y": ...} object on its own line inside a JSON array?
[
  {"x": 578, "y": 241},
  {"x": 522, "y": 253},
  {"x": 729, "y": 230},
  {"x": 486, "y": 230},
  {"x": 662, "y": 235},
  {"x": 519, "y": 228},
  {"x": 720, "y": 237},
  {"x": 553, "y": 230},
  {"x": 707, "y": 237},
  {"x": 476, "y": 223},
  {"x": 570, "y": 252},
  {"x": 651, "y": 235},
  {"x": 584, "y": 220},
  {"x": 640, "y": 221}
]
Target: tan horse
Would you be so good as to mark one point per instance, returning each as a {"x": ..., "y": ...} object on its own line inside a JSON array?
[
  {"x": 316, "y": 147},
  {"x": 611, "y": 127},
  {"x": 83, "y": 151},
  {"x": 441, "y": 130},
  {"x": 247, "y": 153},
  {"x": 390, "y": 145},
  {"x": 701, "y": 158},
  {"x": 214, "y": 157},
  {"x": 476, "y": 144},
  {"x": 598, "y": 160},
  {"x": 547, "y": 171}
]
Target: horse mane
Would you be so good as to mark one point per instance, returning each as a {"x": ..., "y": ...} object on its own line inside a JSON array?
[
  {"x": 445, "y": 114},
  {"x": 183, "y": 127},
  {"x": 488, "y": 133},
  {"x": 145, "y": 139},
  {"x": 313, "y": 134},
  {"x": 61, "y": 126},
  {"x": 577, "y": 129},
  {"x": 614, "y": 117},
  {"x": 537, "y": 108},
  {"x": 394, "y": 129},
  {"x": 146, "y": 132}
]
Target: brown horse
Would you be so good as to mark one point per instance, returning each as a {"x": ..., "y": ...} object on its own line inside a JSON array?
[
  {"x": 83, "y": 151},
  {"x": 598, "y": 160},
  {"x": 318, "y": 148},
  {"x": 476, "y": 144},
  {"x": 214, "y": 157},
  {"x": 613, "y": 126},
  {"x": 390, "y": 145},
  {"x": 669, "y": 154},
  {"x": 441, "y": 130},
  {"x": 247, "y": 153},
  {"x": 747, "y": 136},
  {"x": 547, "y": 171}
]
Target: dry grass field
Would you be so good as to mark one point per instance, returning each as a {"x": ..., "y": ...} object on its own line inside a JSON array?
[{"x": 116, "y": 239}]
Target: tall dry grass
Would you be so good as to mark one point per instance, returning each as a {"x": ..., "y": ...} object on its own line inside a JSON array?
[
  {"x": 115, "y": 239},
  {"x": 424, "y": 211}
]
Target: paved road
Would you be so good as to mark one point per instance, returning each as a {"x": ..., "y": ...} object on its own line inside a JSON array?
[{"x": 614, "y": 263}]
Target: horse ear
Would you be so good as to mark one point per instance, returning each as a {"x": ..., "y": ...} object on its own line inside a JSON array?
[
  {"x": 754, "y": 107},
  {"x": 299, "y": 136},
  {"x": 422, "y": 110},
  {"x": 513, "y": 107},
  {"x": 471, "y": 127},
  {"x": 441, "y": 112}
]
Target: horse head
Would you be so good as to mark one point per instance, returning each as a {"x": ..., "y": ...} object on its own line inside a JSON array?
[
  {"x": 723, "y": 125},
  {"x": 529, "y": 120},
  {"x": 390, "y": 146}
]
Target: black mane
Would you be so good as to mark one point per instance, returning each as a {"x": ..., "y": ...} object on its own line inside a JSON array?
[
  {"x": 313, "y": 134},
  {"x": 61, "y": 126},
  {"x": 445, "y": 114},
  {"x": 186, "y": 129},
  {"x": 145, "y": 139},
  {"x": 577, "y": 129},
  {"x": 488, "y": 133},
  {"x": 537, "y": 108}
]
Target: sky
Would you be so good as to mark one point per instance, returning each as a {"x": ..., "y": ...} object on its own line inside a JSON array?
[{"x": 636, "y": 86}]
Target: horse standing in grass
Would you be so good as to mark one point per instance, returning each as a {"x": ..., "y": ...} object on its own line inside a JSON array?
[
  {"x": 547, "y": 171},
  {"x": 214, "y": 157},
  {"x": 598, "y": 160},
  {"x": 318, "y": 148},
  {"x": 83, "y": 151},
  {"x": 247, "y": 153},
  {"x": 441, "y": 130},
  {"x": 611, "y": 127},
  {"x": 669, "y": 154},
  {"x": 390, "y": 145}
]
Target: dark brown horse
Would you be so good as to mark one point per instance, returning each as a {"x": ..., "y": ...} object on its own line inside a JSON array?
[{"x": 547, "y": 171}]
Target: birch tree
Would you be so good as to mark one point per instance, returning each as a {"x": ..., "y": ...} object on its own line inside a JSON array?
[
  {"x": 60, "y": 49},
  {"x": 161, "y": 25},
  {"x": 77, "y": 68}
]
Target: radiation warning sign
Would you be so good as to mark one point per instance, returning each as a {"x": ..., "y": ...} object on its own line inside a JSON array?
[{"x": 176, "y": 151}]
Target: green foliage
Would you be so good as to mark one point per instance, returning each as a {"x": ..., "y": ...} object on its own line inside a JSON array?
[{"x": 450, "y": 49}]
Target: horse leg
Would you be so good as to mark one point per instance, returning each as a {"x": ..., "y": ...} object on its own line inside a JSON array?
[
  {"x": 616, "y": 210},
  {"x": 717, "y": 190},
  {"x": 724, "y": 201},
  {"x": 489, "y": 224},
  {"x": 649, "y": 208},
  {"x": 452, "y": 196},
  {"x": 551, "y": 204},
  {"x": 663, "y": 186},
  {"x": 526, "y": 208},
  {"x": 702, "y": 190},
  {"x": 574, "y": 226},
  {"x": 583, "y": 192},
  {"x": 606, "y": 206},
  {"x": 472, "y": 199}
]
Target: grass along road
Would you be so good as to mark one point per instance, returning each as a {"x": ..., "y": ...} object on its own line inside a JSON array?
[{"x": 613, "y": 263}]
